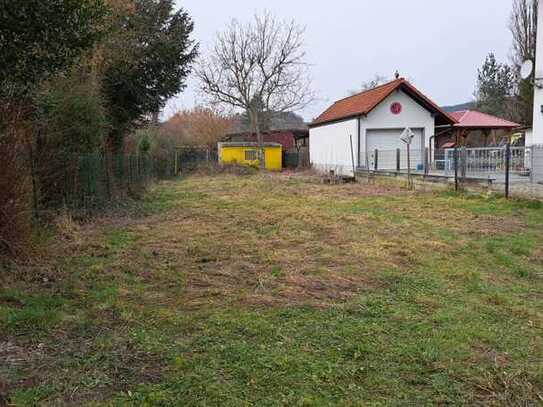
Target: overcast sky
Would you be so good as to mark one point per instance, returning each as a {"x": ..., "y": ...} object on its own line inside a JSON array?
[{"x": 437, "y": 44}]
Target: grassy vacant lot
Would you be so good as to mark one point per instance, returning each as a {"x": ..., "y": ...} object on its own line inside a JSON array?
[{"x": 276, "y": 290}]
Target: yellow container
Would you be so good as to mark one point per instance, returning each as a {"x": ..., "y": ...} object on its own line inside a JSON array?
[{"x": 247, "y": 154}]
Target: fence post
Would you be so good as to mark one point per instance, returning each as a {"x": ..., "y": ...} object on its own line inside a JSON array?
[
  {"x": 409, "y": 183},
  {"x": 426, "y": 161},
  {"x": 176, "y": 164},
  {"x": 107, "y": 175},
  {"x": 507, "y": 167},
  {"x": 376, "y": 160},
  {"x": 532, "y": 152},
  {"x": 463, "y": 160},
  {"x": 35, "y": 207},
  {"x": 455, "y": 168}
]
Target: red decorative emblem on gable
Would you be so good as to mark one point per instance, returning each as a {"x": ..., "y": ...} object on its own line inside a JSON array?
[{"x": 396, "y": 108}]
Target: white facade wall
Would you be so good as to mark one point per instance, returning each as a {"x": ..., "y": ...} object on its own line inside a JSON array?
[
  {"x": 537, "y": 169},
  {"x": 330, "y": 147},
  {"x": 537, "y": 137},
  {"x": 528, "y": 138},
  {"x": 413, "y": 115}
]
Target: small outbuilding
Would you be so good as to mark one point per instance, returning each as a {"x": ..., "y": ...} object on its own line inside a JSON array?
[
  {"x": 246, "y": 153},
  {"x": 475, "y": 129},
  {"x": 294, "y": 142},
  {"x": 374, "y": 120}
]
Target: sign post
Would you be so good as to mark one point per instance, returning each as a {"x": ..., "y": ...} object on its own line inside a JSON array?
[{"x": 407, "y": 137}]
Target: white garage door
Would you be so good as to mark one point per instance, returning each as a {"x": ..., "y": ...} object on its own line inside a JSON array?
[{"x": 387, "y": 141}]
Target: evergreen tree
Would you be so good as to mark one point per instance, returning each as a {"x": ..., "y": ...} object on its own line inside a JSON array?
[
  {"x": 495, "y": 85},
  {"x": 41, "y": 38},
  {"x": 149, "y": 57}
]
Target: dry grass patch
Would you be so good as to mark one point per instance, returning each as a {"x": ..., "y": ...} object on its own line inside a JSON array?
[{"x": 273, "y": 239}]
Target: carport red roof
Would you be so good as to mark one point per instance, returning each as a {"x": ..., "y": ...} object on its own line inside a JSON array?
[
  {"x": 473, "y": 119},
  {"x": 364, "y": 102}
]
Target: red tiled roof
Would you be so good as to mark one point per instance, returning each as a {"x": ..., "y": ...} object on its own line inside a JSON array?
[
  {"x": 474, "y": 119},
  {"x": 364, "y": 102}
]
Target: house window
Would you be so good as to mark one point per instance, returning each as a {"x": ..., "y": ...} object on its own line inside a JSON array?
[{"x": 250, "y": 155}]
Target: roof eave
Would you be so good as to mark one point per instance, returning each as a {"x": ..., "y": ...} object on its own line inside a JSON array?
[
  {"x": 337, "y": 120},
  {"x": 467, "y": 127}
]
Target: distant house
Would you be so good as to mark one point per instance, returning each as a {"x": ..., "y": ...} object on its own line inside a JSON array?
[
  {"x": 290, "y": 139},
  {"x": 269, "y": 120},
  {"x": 374, "y": 120}
]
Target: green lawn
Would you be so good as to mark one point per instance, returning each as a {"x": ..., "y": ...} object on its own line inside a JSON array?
[{"x": 280, "y": 291}]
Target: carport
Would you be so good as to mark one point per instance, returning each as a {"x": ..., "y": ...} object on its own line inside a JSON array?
[{"x": 474, "y": 129}]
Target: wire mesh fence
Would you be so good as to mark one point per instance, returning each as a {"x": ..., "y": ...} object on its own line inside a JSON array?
[
  {"x": 502, "y": 168},
  {"x": 87, "y": 183},
  {"x": 193, "y": 158}
]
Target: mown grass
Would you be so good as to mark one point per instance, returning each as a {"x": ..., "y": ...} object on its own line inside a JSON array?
[{"x": 276, "y": 290}]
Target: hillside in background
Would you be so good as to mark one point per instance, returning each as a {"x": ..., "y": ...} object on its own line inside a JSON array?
[{"x": 461, "y": 106}]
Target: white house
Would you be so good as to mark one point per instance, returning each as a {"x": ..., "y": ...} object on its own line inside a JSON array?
[
  {"x": 374, "y": 120},
  {"x": 537, "y": 135}
]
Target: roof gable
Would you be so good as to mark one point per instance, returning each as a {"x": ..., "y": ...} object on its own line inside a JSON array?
[{"x": 364, "y": 102}]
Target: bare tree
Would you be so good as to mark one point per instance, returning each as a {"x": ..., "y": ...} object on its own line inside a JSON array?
[
  {"x": 523, "y": 26},
  {"x": 258, "y": 67}
]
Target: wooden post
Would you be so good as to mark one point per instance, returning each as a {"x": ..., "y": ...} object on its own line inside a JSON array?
[
  {"x": 376, "y": 160},
  {"x": 35, "y": 206},
  {"x": 398, "y": 160},
  {"x": 176, "y": 164}
]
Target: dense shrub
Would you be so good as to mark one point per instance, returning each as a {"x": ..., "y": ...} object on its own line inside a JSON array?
[
  {"x": 70, "y": 121},
  {"x": 15, "y": 192}
]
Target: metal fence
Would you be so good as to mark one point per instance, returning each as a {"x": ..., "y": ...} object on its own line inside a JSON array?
[
  {"x": 393, "y": 160},
  {"x": 488, "y": 162},
  {"x": 192, "y": 158},
  {"x": 88, "y": 183},
  {"x": 499, "y": 166}
]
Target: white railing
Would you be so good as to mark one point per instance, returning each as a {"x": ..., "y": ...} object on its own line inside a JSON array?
[
  {"x": 484, "y": 161},
  {"x": 525, "y": 163}
]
